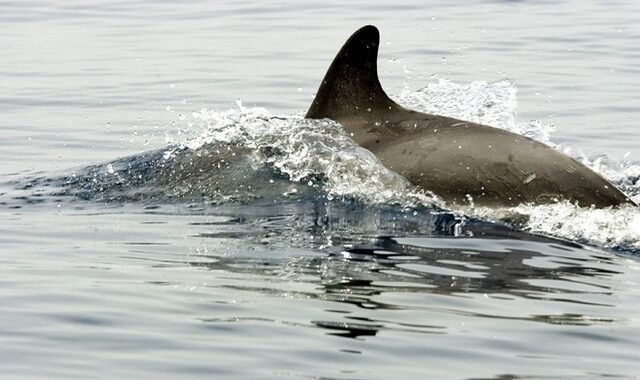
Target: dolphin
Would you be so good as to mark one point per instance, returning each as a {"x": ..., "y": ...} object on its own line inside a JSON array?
[{"x": 463, "y": 163}]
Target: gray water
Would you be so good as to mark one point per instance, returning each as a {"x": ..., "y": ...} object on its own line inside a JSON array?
[{"x": 121, "y": 258}]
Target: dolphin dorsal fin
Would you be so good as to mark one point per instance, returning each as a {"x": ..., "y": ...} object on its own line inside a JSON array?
[{"x": 351, "y": 86}]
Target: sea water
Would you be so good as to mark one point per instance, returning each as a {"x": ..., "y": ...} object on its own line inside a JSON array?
[{"x": 167, "y": 212}]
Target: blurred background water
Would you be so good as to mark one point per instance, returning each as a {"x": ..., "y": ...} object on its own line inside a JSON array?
[{"x": 304, "y": 286}]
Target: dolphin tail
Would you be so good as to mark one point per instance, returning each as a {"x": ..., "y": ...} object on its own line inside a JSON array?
[{"x": 351, "y": 86}]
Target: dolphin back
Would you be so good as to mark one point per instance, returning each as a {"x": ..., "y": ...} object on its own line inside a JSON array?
[{"x": 455, "y": 159}]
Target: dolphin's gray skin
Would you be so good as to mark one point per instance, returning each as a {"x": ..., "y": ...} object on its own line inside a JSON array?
[{"x": 458, "y": 160}]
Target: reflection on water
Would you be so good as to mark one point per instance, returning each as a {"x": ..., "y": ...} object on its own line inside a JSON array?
[
  {"x": 303, "y": 280},
  {"x": 393, "y": 273}
]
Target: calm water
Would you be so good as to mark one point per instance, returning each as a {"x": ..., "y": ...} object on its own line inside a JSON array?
[{"x": 124, "y": 254}]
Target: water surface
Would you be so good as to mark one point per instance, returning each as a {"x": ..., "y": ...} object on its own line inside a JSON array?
[{"x": 124, "y": 254}]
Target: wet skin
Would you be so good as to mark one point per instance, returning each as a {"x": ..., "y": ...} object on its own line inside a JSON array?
[{"x": 461, "y": 162}]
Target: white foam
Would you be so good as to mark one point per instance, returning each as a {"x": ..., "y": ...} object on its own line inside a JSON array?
[
  {"x": 610, "y": 228},
  {"x": 488, "y": 103},
  {"x": 305, "y": 150}
]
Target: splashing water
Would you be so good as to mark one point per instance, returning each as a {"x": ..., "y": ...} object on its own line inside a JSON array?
[
  {"x": 480, "y": 102},
  {"x": 611, "y": 228},
  {"x": 313, "y": 150},
  {"x": 495, "y": 104}
]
